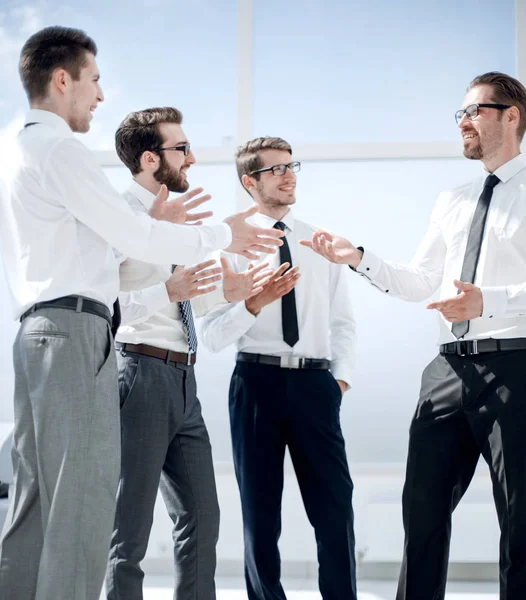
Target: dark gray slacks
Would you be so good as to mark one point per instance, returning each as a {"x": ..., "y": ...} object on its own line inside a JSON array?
[
  {"x": 66, "y": 458},
  {"x": 468, "y": 406},
  {"x": 164, "y": 444}
]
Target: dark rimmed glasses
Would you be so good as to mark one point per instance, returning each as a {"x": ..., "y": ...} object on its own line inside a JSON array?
[
  {"x": 278, "y": 170},
  {"x": 472, "y": 111},
  {"x": 180, "y": 148}
]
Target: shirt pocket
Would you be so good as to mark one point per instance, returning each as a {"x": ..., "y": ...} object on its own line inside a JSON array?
[{"x": 510, "y": 221}]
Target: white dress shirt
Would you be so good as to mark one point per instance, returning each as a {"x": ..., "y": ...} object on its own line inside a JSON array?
[
  {"x": 325, "y": 318},
  {"x": 148, "y": 316},
  {"x": 501, "y": 270},
  {"x": 61, "y": 219}
]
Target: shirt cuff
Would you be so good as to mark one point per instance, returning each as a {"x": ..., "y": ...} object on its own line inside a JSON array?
[
  {"x": 369, "y": 265},
  {"x": 242, "y": 317},
  {"x": 223, "y": 237},
  {"x": 341, "y": 371},
  {"x": 494, "y": 301}
]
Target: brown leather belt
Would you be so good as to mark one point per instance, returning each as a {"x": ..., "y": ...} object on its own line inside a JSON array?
[{"x": 166, "y": 355}]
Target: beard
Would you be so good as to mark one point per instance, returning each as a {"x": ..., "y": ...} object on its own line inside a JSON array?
[
  {"x": 474, "y": 153},
  {"x": 172, "y": 178},
  {"x": 489, "y": 145}
]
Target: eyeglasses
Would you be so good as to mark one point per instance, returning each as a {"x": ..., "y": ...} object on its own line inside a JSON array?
[
  {"x": 472, "y": 111},
  {"x": 278, "y": 170},
  {"x": 181, "y": 148}
]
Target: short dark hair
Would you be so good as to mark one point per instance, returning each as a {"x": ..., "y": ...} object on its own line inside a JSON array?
[
  {"x": 248, "y": 156},
  {"x": 50, "y": 49},
  {"x": 506, "y": 90},
  {"x": 139, "y": 132}
]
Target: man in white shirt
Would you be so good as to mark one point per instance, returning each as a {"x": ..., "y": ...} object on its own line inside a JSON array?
[
  {"x": 296, "y": 342},
  {"x": 164, "y": 440},
  {"x": 59, "y": 223},
  {"x": 472, "y": 399}
]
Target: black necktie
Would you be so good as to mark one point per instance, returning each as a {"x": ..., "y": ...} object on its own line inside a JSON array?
[
  {"x": 476, "y": 232},
  {"x": 289, "y": 315}
]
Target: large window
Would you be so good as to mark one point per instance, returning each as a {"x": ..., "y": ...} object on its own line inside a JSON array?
[
  {"x": 375, "y": 71},
  {"x": 151, "y": 53},
  {"x": 328, "y": 77}
]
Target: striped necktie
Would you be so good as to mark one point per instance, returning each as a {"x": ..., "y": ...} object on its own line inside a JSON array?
[{"x": 185, "y": 308}]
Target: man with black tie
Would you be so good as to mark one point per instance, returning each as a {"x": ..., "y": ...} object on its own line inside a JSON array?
[
  {"x": 164, "y": 439},
  {"x": 472, "y": 399},
  {"x": 296, "y": 342},
  {"x": 59, "y": 222}
]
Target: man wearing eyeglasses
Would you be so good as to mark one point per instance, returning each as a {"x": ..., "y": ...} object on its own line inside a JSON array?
[
  {"x": 164, "y": 439},
  {"x": 472, "y": 399},
  {"x": 296, "y": 346}
]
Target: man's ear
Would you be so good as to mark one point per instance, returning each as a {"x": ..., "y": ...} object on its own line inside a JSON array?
[
  {"x": 60, "y": 80},
  {"x": 247, "y": 182},
  {"x": 514, "y": 115},
  {"x": 149, "y": 161}
]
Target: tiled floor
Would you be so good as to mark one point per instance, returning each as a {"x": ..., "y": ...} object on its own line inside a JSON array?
[{"x": 159, "y": 588}]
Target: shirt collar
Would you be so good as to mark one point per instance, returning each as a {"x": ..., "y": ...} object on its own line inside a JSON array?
[
  {"x": 511, "y": 168},
  {"x": 266, "y": 221},
  {"x": 51, "y": 119},
  {"x": 144, "y": 196}
]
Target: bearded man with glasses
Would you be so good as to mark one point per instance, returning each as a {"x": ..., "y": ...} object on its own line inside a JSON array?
[
  {"x": 473, "y": 394},
  {"x": 164, "y": 439}
]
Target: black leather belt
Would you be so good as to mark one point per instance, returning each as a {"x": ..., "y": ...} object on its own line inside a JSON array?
[
  {"x": 76, "y": 303},
  {"x": 285, "y": 362},
  {"x": 168, "y": 356},
  {"x": 472, "y": 347}
]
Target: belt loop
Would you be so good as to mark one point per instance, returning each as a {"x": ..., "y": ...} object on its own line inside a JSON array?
[
  {"x": 80, "y": 301},
  {"x": 167, "y": 359}
]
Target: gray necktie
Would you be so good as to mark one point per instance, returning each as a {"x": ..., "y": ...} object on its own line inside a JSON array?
[{"x": 476, "y": 233}]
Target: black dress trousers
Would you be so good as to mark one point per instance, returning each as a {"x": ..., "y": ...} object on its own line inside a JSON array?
[
  {"x": 272, "y": 408},
  {"x": 468, "y": 406}
]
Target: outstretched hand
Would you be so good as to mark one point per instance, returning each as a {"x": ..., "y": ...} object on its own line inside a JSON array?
[
  {"x": 334, "y": 248},
  {"x": 248, "y": 239},
  {"x": 177, "y": 210},
  {"x": 465, "y": 306},
  {"x": 185, "y": 284},
  {"x": 240, "y": 286}
]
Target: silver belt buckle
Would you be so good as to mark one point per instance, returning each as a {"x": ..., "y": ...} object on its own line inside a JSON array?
[
  {"x": 189, "y": 359},
  {"x": 290, "y": 362},
  {"x": 475, "y": 347}
]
